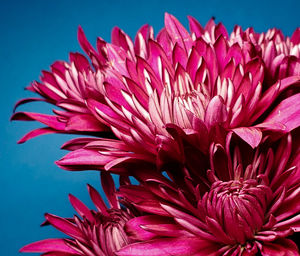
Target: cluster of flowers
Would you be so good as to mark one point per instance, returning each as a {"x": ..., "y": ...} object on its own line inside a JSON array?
[{"x": 206, "y": 122}]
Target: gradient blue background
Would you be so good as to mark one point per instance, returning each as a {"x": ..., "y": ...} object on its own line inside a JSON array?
[{"x": 33, "y": 34}]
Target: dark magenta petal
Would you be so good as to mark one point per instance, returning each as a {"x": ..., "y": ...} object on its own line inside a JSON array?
[{"x": 280, "y": 247}]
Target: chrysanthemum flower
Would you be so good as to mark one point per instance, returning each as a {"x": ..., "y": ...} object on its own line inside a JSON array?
[
  {"x": 203, "y": 87},
  {"x": 246, "y": 204},
  {"x": 204, "y": 82},
  {"x": 99, "y": 232},
  {"x": 207, "y": 108}
]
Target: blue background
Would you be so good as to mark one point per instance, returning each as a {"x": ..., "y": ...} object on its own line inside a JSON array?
[{"x": 36, "y": 33}]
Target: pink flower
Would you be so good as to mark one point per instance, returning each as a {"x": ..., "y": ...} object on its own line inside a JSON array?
[
  {"x": 99, "y": 232},
  {"x": 247, "y": 203},
  {"x": 203, "y": 85},
  {"x": 207, "y": 123}
]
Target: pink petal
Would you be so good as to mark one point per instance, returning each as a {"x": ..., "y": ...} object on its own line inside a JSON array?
[
  {"x": 64, "y": 226},
  {"x": 221, "y": 31},
  {"x": 24, "y": 101},
  {"x": 109, "y": 189},
  {"x": 286, "y": 113},
  {"x": 216, "y": 112},
  {"x": 84, "y": 43},
  {"x": 251, "y": 135},
  {"x": 134, "y": 227},
  {"x": 97, "y": 200},
  {"x": 80, "y": 61},
  {"x": 195, "y": 26},
  {"x": 81, "y": 208},
  {"x": 295, "y": 38},
  {"x": 221, "y": 51},
  {"x": 76, "y": 143},
  {"x": 193, "y": 64},
  {"x": 48, "y": 245},
  {"x": 178, "y": 33},
  {"x": 85, "y": 123},
  {"x": 179, "y": 56},
  {"x": 141, "y": 39},
  {"x": 271, "y": 94},
  {"x": 280, "y": 247},
  {"x": 82, "y": 159},
  {"x": 35, "y": 133},
  {"x": 120, "y": 38},
  {"x": 57, "y": 254},
  {"x": 48, "y": 120},
  {"x": 184, "y": 246}
]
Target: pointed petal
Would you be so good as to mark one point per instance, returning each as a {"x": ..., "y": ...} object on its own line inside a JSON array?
[
  {"x": 35, "y": 133},
  {"x": 109, "y": 188},
  {"x": 48, "y": 245},
  {"x": 250, "y": 135},
  {"x": 216, "y": 112},
  {"x": 84, "y": 43},
  {"x": 81, "y": 208},
  {"x": 178, "y": 33},
  {"x": 97, "y": 200},
  {"x": 24, "y": 101},
  {"x": 51, "y": 121},
  {"x": 64, "y": 226},
  {"x": 195, "y": 26}
]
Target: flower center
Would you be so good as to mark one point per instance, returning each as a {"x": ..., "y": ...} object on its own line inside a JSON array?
[{"x": 238, "y": 207}]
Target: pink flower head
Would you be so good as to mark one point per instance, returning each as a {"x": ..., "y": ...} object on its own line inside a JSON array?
[
  {"x": 246, "y": 204},
  {"x": 202, "y": 85},
  {"x": 216, "y": 112},
  {"x": 99, "y": 232}
]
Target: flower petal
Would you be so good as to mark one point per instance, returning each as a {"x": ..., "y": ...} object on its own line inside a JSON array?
[
  {"x": 281, "y": 247},
  {"x": 48, "y": 245},
  {"x": 286, "y": 113},
  {"x": 184, "y": 246},
  {"x": 251, "y": 135}
]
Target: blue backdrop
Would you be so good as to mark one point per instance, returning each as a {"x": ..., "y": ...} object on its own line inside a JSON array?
[{"x": 36, "y": 33}]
